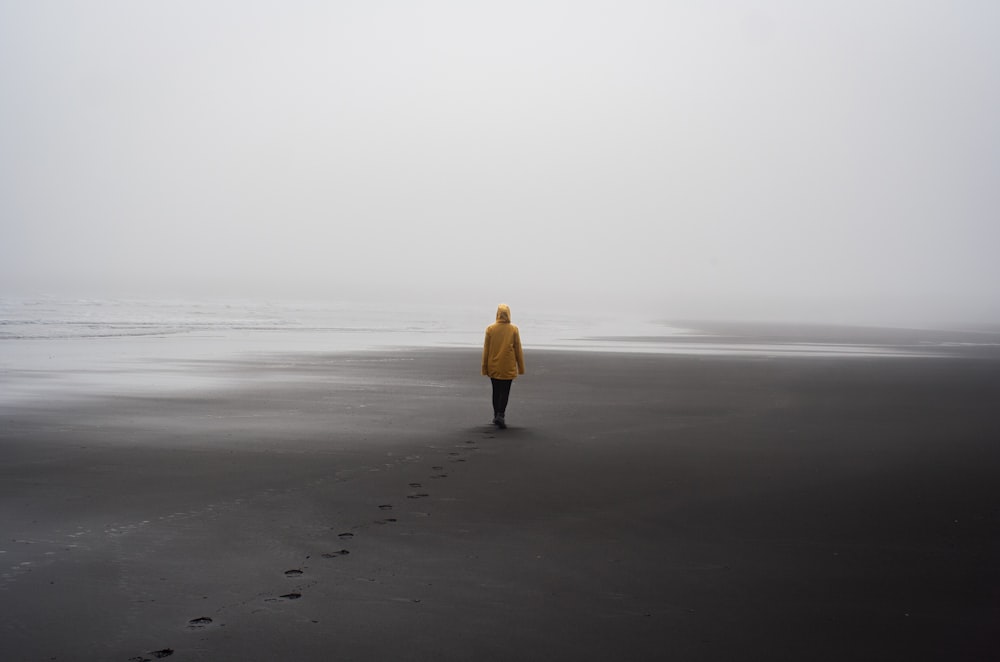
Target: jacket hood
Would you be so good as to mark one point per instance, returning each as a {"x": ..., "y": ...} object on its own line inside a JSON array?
[{"x": 503, "y": 313}]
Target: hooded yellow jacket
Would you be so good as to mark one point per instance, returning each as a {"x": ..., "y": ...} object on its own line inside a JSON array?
[{"x": 502, "y": 355}]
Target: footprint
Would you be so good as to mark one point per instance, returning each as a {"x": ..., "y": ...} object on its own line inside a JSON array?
[
  {"x": 452, "y": 452},
  {"x": 385, "y": 506},
  {"x": 387, "y": 520},
  {"x": 439, "y": 476},
  {"x": 437, "y": 468},
  {"x": 294, "y": 572},
  {"x": 346, "y": 536},
  {"x": 333, "y": 555},
  {"x": 163, "y": 652},
  {"x": 417, "y": 496},
  {"x": 415, "y": 485},
  {"x": 286, "y": 596},
  {"x": 200, "y": 622}
]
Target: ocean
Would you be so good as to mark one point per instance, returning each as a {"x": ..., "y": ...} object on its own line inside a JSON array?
[
  {"x": 85, "y": 347},
  {"x": 92, "y": 347}
]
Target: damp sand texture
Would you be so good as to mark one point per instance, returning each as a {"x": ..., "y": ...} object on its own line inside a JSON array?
[{"x": 638, "y": 507}]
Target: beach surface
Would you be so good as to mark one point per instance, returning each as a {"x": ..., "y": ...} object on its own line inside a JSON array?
[{"x": 358, "y": 506}]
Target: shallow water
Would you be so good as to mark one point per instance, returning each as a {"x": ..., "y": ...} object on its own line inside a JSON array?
[
  {"x": 52, "y": 347},
  {"x": 92, "y": 347}
]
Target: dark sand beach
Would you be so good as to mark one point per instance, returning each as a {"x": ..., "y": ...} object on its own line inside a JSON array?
[{"x": 639, "y": 507}]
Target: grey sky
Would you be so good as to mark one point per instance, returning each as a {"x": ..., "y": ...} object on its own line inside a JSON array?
[{"x": 796, "y": 160}]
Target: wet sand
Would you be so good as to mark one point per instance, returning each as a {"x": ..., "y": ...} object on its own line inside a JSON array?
[{"x": 357, "y": 507}]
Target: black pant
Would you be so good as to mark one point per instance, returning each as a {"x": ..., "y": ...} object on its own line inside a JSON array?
[{"x": 501, "y": 392}]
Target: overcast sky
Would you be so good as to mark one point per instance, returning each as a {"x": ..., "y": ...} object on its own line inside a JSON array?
[{"x": 835, "y": 161}]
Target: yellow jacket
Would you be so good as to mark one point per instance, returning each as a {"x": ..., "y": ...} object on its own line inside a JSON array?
[{"x": 502, "y": 355}]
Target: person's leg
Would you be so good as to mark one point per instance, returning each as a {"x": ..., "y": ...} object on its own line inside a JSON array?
[
  {"x": 496, "y": 397},
  {"x": 502, "y": 391},
  {"x": 505, "y": 394}
]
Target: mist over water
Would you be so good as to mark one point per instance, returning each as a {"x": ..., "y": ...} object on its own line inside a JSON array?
[{"x": 774, "y": 161}]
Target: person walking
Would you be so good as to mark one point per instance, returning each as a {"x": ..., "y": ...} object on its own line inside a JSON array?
[{"x": 503, "y": 360}]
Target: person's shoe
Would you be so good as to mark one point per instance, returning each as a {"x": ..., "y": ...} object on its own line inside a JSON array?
[{"x": 500, "y": 423}]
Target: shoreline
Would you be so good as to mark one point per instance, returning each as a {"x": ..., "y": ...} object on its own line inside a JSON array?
[{"x": 639, "y": 505}]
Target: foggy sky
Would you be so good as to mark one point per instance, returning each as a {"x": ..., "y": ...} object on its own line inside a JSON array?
[{"x": 812, "y": 161}]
